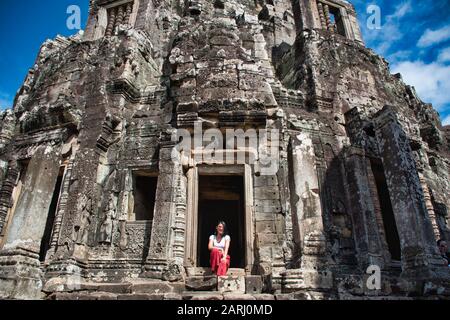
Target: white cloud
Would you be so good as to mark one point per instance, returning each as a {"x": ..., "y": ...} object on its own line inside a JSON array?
[
  {"x": 444, "y": 55},
  {"x": 446, "y": 121},
  {"x": 391, "y": 31},
  {"x": 401, "y": 10},
  {"x": 432, "y": 81},
  {"x": 397, "y": 56},
  {"x": 5, "y": 101},
  {"x": 432, "y": 37}
]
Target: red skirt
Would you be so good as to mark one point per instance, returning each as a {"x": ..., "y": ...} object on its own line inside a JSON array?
[{"x": 218, "y": 267}]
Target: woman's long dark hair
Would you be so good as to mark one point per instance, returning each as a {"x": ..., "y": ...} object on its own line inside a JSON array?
[{"x": 225, "y": 229}]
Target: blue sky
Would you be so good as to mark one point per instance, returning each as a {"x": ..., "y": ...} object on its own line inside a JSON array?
[{"x": 414, "y": 37}]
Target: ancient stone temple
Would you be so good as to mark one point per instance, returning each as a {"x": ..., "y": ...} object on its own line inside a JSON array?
[{"x": 323, "y": 164}]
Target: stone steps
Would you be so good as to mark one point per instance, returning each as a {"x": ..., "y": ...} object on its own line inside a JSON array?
[
  {"x": 233, "y": 284},
  {"x": 218, "y": 296},
  {"x": 192, "y": 296},
  {"x": 214, "y": 296},
  {"x": 202, "y": 283}
]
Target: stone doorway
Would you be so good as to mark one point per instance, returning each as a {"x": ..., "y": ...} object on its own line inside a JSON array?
[
  {"x": 387, "y": 213},
  {"x": 221, "y": 198},
  {"x": 47, "y": 237},
  {"x": 205, "y": 184}
]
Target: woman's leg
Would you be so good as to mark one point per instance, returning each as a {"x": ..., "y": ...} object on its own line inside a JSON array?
[
  {"x": 223, "y": 267},
  {"x": 216, "y": 256}
]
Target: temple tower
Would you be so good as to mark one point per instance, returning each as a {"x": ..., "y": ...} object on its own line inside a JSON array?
[{"x": 127, "y": 144}]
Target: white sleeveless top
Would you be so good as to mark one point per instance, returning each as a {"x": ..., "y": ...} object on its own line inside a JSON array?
[{"x": 221, "y": 244}]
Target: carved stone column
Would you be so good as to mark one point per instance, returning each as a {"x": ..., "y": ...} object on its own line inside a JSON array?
[
  {"x": 29, "y": 220},
  {"x": 314, "y": 259},
  {"x": 323, "y": 22},
  {"x": 7, "y": 197},
  {"x": 367, "y": 233},
  {"x": 419, "y": 251},
  {"x": 429, "y": 206},
  {"x": 326, "y": 10},
  {"x": 20, "y": 272},
  {"x": 162, "y": 258}
]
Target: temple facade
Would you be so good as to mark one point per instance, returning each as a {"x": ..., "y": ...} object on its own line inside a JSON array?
[{"x": 129, "y": 142}]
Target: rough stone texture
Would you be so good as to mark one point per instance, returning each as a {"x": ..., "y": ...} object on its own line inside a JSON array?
[
  {"x": 362, "y": 160},
  {"x": 253, "y": 285},
  {"x": 231, "y": 284},
  {"x": 201, "y": 283}
]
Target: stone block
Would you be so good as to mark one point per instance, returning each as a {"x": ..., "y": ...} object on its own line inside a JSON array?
[
  {"x": 267, "y": 193},
  {"x": 315, "y": 279},
  {"x": 141, "y": 296},
  {"x": 266, "y": 226},
  {"x": 117, "y": 288},
  {"x": 264, "y": 297},
  {"x": 173, "y": 296},
  {"x": 253, "y": 284},
  {"x": 202, "y": 296},
  {"x": 238, "y": 297},
  {"x": 268, "y": 239},
  {"x": 157, "y": 287},
  {"x": 104, "y": 296},
  {"x": 268, "y": 206},
  {"x": 232, "y": 284},
  {"x": 284, "y": 297},
  {"x": 201, "y": 283},
  {"x": 259, "y": 216}
]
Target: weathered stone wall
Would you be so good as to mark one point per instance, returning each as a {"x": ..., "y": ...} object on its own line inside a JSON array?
[{"x": 103, "y": 108}]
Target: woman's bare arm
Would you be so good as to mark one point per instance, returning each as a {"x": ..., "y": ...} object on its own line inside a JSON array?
[
  {"x": 211, "y": 245},
  {"x": 227, "y": 248}
]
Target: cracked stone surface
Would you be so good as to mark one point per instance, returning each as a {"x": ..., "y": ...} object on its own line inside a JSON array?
[{"x": 362, "y": 173}]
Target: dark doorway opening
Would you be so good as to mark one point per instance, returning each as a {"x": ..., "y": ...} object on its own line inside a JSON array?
[
  {"x": 144, "y": 197},
  {"x": 46, "y": 239},
  {"x": 221, "y": 198},
  {"x": 390, "y": 226}
]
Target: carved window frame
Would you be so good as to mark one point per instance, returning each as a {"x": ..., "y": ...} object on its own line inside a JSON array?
[
  {"x": 345, "y": 32},
  {"x": 133, "y": 173},
  {"x": 102, "y": 16}
]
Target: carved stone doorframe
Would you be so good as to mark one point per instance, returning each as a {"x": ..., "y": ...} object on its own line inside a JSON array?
[{"x": 193, "y": 175}]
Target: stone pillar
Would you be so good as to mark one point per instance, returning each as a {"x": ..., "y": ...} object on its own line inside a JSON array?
[
  {"x": 376, "y": 199},
  {"x": 322, "y": 15},
  {"x": 361, "y": 204},
  {"x": 120, "y": 15},
  {"x": 29, "y": 220},
  {"x": 102, "y": 23},
  {"x": 62, "y": 206},
  {"x": 192, "y": 209},
  {"x": 306, "y": 15},
  {"x": 129, "y": 11},
  {"x": 352, "y": 20},
  {"x": 111, "y": 22},
  {"x": 162, "y": 257},
  {"x": 430, "y": 207},
  {"x": 7, "y": 196},
  {"x": 326, "y": 10},
  {"x": 419, "y": 251},
  {"x": 314, "y": 259},
  {"x": 20, "y": 272},
  {"x": 177, "y": 243},
  {"x": 91, "y": 22}
]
